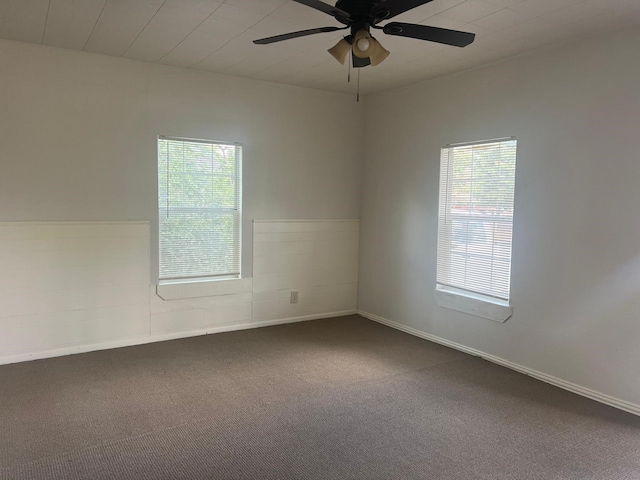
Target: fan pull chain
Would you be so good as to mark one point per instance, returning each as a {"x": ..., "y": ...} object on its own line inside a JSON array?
[
  {"x": 349, "y": 70},
  {"x": 358, "y": 91}
]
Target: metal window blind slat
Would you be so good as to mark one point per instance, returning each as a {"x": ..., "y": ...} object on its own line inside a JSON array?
[
  {"x": 475, "y": 217},
  {"x": 199, "y": 197}
]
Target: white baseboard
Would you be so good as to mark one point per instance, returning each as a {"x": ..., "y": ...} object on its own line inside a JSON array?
[
  {"x": 129, "y": 342},
  {"x": 558, "y": 382}
]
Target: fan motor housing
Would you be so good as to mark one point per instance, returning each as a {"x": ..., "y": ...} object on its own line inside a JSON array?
[{"x": 360, "y": 10}]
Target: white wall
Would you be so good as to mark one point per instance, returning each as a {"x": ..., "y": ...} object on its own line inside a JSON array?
[
  {"x": 575, "y": 111},
  {"x": 78, "y": 139}
]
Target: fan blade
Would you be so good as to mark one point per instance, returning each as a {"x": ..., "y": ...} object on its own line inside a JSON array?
[
  {"x": 301, "y": 33},
  {"x": 431, "y": 34},
  {"x": 326, "y": 8},
  {"x": 360, "y": 62},
  {"x": 391, "y": 8}
]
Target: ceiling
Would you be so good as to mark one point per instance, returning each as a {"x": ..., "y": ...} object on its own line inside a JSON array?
[{"x": 216, "y": 35}]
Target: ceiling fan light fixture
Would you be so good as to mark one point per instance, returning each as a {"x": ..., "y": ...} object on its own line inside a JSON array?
[
  {"x": 379, "y": 53},
  {"x": 362, "y": 44},
  {"x": 340, "y": 51},
  {"x": 365, "y": 46}
]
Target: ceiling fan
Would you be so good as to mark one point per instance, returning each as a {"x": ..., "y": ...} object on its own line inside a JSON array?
[{"x": 360, "y": 16}]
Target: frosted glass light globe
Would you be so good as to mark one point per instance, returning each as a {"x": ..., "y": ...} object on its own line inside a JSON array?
[{"x": 363, "y": 44}]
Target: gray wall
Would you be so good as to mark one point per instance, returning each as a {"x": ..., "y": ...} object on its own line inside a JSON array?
[
  {"x": 575, "y": 111},
  {"x": 78, "y": 139}
]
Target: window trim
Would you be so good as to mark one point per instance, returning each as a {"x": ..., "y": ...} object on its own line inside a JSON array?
[
  {"x": 195, "y": 281},
  {"x": 468, "y": 301},
  {"x": 474, "y": 304},
  {"x": 195, "y": 289}
]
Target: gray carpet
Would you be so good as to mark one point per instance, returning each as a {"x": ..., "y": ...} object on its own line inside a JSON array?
[{"x": 340, "y": 398}]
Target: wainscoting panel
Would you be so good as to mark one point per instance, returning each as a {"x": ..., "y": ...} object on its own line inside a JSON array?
[
  {"x": 226, "y": 306},
  {"x": 65, "y": 284},
  {"x": 70, "y": 287},
  {"x": 316, "y": 259}
]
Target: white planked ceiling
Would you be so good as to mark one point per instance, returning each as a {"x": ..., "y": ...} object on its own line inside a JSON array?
[{"x": 216, "y": 35}]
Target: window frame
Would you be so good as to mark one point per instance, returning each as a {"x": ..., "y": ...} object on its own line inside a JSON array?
[
  {"x": 463, "y": 299},
  {"x": 194, "y": 280}
]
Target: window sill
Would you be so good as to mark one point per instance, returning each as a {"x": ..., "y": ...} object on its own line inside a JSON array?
[
  {"x": 191, "y": 281},
  {"x": 473, "y": 305},
  {"x": 177, "y": 290}
]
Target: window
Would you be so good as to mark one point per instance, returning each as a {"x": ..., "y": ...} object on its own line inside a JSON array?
[
  {"x": 199, "y": 196},
  {"x": 475, "y": 219}
]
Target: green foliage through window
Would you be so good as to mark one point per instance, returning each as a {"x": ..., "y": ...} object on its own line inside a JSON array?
[{"x": 199, "y": 195}]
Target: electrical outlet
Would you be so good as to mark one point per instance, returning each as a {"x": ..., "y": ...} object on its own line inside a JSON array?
[{"x": 294, "y": 297}]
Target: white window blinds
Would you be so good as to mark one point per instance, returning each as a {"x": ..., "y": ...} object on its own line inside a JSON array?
[
  {"x": 199, "y": 196},
  {"x": 475, "y": 219}
]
